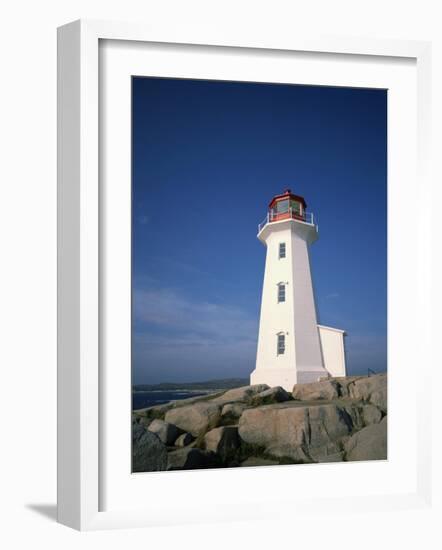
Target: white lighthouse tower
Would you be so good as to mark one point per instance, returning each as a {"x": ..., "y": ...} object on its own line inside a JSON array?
[{"x": 292, "y": 347}]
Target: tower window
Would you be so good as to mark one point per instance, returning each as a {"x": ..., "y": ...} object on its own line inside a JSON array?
[
  {"x": 281, "y": 292},
  {"x": 282, "y": 207},
  {"x": 281, "y": 344},
  {"x": 296, "y": 207},
  {"x": 281, "y": 250}
]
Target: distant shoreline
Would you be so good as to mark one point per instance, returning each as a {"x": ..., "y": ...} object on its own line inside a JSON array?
[
  {"x": 179, "y": 390},
  {"x": 149, "y": 398},
  {"x": 203, "y": 386},
  {"x": 148, "y": 395}
]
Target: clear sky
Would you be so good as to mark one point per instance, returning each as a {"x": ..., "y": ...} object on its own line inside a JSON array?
[{"x": 207, "y": 158}]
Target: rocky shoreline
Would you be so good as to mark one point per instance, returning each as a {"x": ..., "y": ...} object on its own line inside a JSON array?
[{"x": 338, "y": 419}]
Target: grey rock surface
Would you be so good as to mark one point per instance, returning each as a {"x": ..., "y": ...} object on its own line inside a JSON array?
[
  {"x": 233, "y": 411},
  {"x": 301, "y": 433},
  {"x": 371, "y": 389},
  {"x": 371, "y": 414},
  {"x": 362, "y": 414},
  {"x": 159, "y": 411},
  {"x": 272, "y": 395},
  {"x": 243, "y": 394},
  {"x": 223, "y": 441},
  {"x": 164, "y": 430},
  {"x": 365, "y": 389},
  {"x": 331, "y": 420},
  {"x": 183, "y": 440},
  {"x": 370, "y": 443},
  {"x": 190, "y": 458},
  {"x": 195, "y": 419},
  {"x": 149, "y": 454},
  {"x": 313, "y": 391}
]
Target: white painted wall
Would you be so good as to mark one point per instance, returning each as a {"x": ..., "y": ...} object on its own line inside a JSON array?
[
  {"x": 333, "y": 350},
  {"x": 296, "y": 317},
  {"x": 273, "y": 369},
  {"x": 309, "y": 361}
]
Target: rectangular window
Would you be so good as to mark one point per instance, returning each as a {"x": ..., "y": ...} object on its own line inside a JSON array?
[
  {"x": 282, "y": 207},
  {"x": 281, "y": 293},
  {"x": 296, "y": 207},
  {"x": 281, "y": 344},
  {"x": 281, "y": 250}
]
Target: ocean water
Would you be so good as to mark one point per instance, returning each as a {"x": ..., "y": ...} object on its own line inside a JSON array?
[{"x": 142, "y": 399}]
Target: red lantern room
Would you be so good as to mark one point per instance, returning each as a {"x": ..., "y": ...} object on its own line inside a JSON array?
[{"x": 287, "y": 206}]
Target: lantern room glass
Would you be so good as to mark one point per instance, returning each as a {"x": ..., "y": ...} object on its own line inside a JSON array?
[
  {"x": 282, "y": 207},
  {"x": 286, "y": 208}
]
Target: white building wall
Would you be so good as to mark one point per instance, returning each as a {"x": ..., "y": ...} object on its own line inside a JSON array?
[
  {"x": 309, "y": 361},
  {"x": 333, "y": 350},
  {"x": 296, "y": 317},
  {"x": 271, "y": 368}
]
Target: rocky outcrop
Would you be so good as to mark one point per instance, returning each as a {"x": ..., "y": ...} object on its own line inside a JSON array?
[
  {"x": 243, "y": 395},
  {"x": 372, "y": 389},
  {"x": 167, "y": 433},
  {"x": 195, "y": 419},
  {"x": 149, "y": 454},
  {"x": 301, "y": 433},
  {"x": 314, "y": 391},
  {"x": 336, "y": 419},
  {"x": 223, "y": 441},
  {"x": 364, "y": 415},
  {"x": 183, "y": 440},
  {"x": 272, "y": 395},
  {"x": 368, "y": 444},
  {"x": 232, "y": 411},
  {"x": 159, "y": 411},
  {"x": 191, "y": 459},
  {"x": 365, "y": 389}
]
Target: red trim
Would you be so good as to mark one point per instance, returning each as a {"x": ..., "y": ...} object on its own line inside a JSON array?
[
  {"x": 286, "y": 216},
  {"x": 287, "y": 195}
]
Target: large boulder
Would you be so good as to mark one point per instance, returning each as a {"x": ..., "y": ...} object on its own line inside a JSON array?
[
  {"x": 302, "y": 433},
  {"x": 156, "y": 411},
  {"x": 371, "y": 414},
  {"x": 196, "y": 418},
  {"x": 343, "y": 383},
  {"x": 232, "y": 411},
  {"x": 272, "y": 395},
  {"x": 223, "y": 441},
  {"x": 191, "y": 458},
  {"x": 159, "y": 411},
  {"x": 149, "y": 454},
  {"x": 366, "y": 389},
  {"x": 362, "y": 414},
  {"x": 183, "y": 440},
  {"x": 313, "y": 391},
  {"x": 165, "y": 431},
  {"x": 142, "y": 420},
  {"x": 371, "y": 389},
  {"x": 244, "y": 394},
  {"x": 370, "y": 443}
]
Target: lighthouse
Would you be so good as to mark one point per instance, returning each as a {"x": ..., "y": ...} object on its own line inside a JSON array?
[{"x": 292, "y": 347}]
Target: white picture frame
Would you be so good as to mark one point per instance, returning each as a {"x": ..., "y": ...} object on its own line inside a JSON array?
[{"x": 79, "y": 267}]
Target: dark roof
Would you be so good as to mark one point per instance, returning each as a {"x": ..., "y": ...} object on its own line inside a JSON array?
[{"x": 288, "y": 195}]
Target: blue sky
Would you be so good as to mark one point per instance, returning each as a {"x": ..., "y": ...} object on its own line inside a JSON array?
[{"x": 207, "y": 158}]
